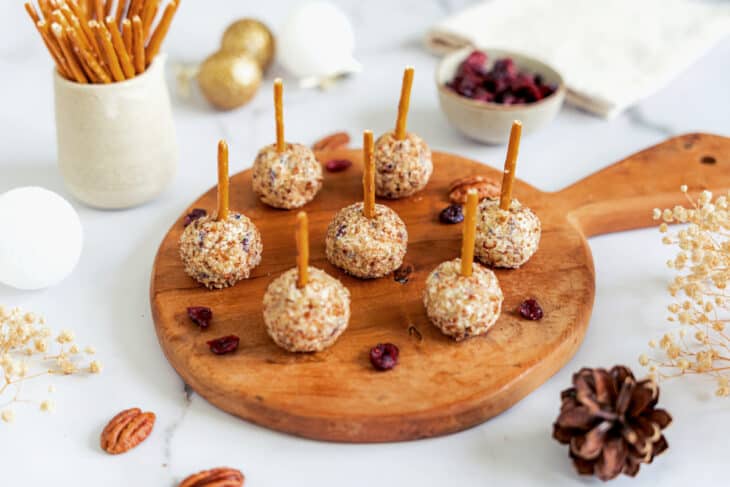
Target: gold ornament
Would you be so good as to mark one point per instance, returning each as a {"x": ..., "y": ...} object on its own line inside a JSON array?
[
  {"x": 228, "y": 80},
  {"x": 251, "y": 37}
]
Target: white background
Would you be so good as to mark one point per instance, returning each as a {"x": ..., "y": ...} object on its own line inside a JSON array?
[{"x": 106, "y": 299}]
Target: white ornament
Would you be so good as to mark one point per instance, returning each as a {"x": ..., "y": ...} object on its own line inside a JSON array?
[
  {"x": 40, "y": 238},
  {"x": 316, "y": 43}
]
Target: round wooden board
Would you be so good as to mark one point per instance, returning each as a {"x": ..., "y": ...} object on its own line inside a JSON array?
[{"x": 439, "y": 386}]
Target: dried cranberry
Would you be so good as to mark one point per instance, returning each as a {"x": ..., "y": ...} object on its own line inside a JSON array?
[
  {"x": 506, "y": 66},
  {"x": 223, "y": 345},
  {"x": 338, "y": 165},
  {"x": 195, "y": 214},
  {"x": 530, "y": 309},
  {"x": 200, "y": 315},
  {"x": 384, "y": 356},
  {"x": 403, "y": 273},
  {"x": 504, "y": 83},
  {"x": 476, "y": 59},
  {"x": 451, "y": 214}
]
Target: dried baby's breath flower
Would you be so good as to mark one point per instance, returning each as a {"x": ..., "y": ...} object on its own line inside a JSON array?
[
  {"x": 65, "y": 336},
  {"x": 95, "y": 367},
  {"x": 48, "y": 406},
  {"x": 698, "y": 344},
  {"x": 25, "y": 354}
]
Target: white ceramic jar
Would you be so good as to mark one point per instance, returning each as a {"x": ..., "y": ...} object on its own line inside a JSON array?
[{"x": 116, "y": 142}]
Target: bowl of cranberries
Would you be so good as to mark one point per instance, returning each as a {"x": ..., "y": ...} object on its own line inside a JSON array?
[{"x": 482, "y": 91}]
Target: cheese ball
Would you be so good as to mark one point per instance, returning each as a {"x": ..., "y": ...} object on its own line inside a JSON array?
[
  {"x": 367, "y": 248},
  {"x": 506, "y": 238},
  {"x": 218, "y": 254},
  {"x": 307, "y": 319},
  {"x": 462, "y": 307},
  {"x": 286, "y": 180},
  {"x": 402, "y": 167}
]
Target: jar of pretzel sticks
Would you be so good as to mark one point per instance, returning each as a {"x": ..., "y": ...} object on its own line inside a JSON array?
[{"x": 115, "y": 133}]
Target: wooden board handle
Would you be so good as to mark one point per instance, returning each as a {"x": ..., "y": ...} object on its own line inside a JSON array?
[{"x": 622, "y": 196}]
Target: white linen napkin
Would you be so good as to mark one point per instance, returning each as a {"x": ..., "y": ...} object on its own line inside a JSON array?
[{"x": 611, "y": 53}]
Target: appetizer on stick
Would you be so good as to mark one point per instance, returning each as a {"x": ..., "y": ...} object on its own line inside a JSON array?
[
  {"x": 463, "y": 299},
  {"x": 218, "y": 252},
  {"x": 367, "y": 240},
  {"x": 508, "y": 233},
  {"x": 305, "y": 309},
  {"x": 403, "y": 163},
  {"x": 285, "y": 175}
]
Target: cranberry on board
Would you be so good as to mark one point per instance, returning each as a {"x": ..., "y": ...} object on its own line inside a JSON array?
[
  {"x": 384, "y": 356},
  {"x": 223, "y": 345},
  {"x": 200, "y": 315}
]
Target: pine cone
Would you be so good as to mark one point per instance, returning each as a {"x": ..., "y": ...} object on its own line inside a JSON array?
[{"x": 611, "y": 422}]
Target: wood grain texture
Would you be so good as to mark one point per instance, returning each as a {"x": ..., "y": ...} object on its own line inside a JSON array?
[{"x": 440, "y": 386}]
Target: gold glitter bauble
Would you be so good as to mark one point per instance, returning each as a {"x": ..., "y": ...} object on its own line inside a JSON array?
[
  {"x": 228, "y": 80},
  {"x": 253, "y": 38}
]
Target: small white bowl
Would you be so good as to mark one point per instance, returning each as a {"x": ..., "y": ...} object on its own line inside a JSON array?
[{"x": 491, "y": 122}]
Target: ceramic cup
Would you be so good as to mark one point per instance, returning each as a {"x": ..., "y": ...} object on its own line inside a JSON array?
[
  {"x": 116, "y": 142},
  {"x": 491, "y": 122}
]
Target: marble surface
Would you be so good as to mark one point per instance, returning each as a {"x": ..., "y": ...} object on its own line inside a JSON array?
[{"x": 106, "y": 302}]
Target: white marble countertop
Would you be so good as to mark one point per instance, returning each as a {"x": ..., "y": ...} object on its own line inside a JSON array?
[{"x": 106, "y": 299}]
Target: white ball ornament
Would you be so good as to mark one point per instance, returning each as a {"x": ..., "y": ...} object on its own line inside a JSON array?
[
  {"x": 316, "y": 43},
  {"x": 41, "y": 238}
]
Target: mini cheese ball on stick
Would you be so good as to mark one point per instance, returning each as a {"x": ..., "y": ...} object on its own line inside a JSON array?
[
  {"x": 403, "y": 163},
  {"x": 285, "y": 175},
  {"x": 367, "y": 240},
  {"x": 222, "y": 250},
  {"x": 463, "y": 299},
  {"x": 508, "y": 233},
  {"x": 305, "y": 309}
]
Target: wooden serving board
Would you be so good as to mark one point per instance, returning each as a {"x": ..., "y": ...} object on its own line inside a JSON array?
[{"x": 440, "y": 386}]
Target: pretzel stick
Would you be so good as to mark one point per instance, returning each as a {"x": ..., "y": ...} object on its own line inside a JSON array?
[
  {"x": 83, "y": 20},
  {"x": 222, "y": 181},
  {"x": 405, "y": 100},
  {"x": 149, "y": 12},
  {"x": 302, "y": 237},
  {"x": 110, "y": 55},
  {"x": 138, "y": 41},
  {"x": 279, "y": 114},
  {"x": 63, "y": 18},
  {"x": 81, "y": 26},
  {"x": 160, "y": 32},
  {"x": 88, "y": 7},
  {"x": 127, "y": 37},
  {"x": 99, "y": 75},
  {"x": 53, "y": 48},
  {"x": 32, "y": 12},
  {"x": 510, "y": 164},
  {"x": 73, "y": 64},
  {"x": 82, "y": 29},
  {"x": 368, "y": 177},
  {"x": 119, "y": 15},
  {"x": 135, "y": 8},
  {"x": 118, "y": 43},
  {"x": 470, "y": 230},
  {"x": 108, "y": 8},
  {"x": 99, "y": 9},
  {"x": 46, "y": 9},
  {"x": 40, "y": 25}
]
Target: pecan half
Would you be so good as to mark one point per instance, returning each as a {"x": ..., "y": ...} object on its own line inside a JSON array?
[
  {"x": 486, "y": 188},
  {"x": 332, "y": 141},
  {"x": 127, "y": 430},
  {"x": 216, "y": 477}
]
